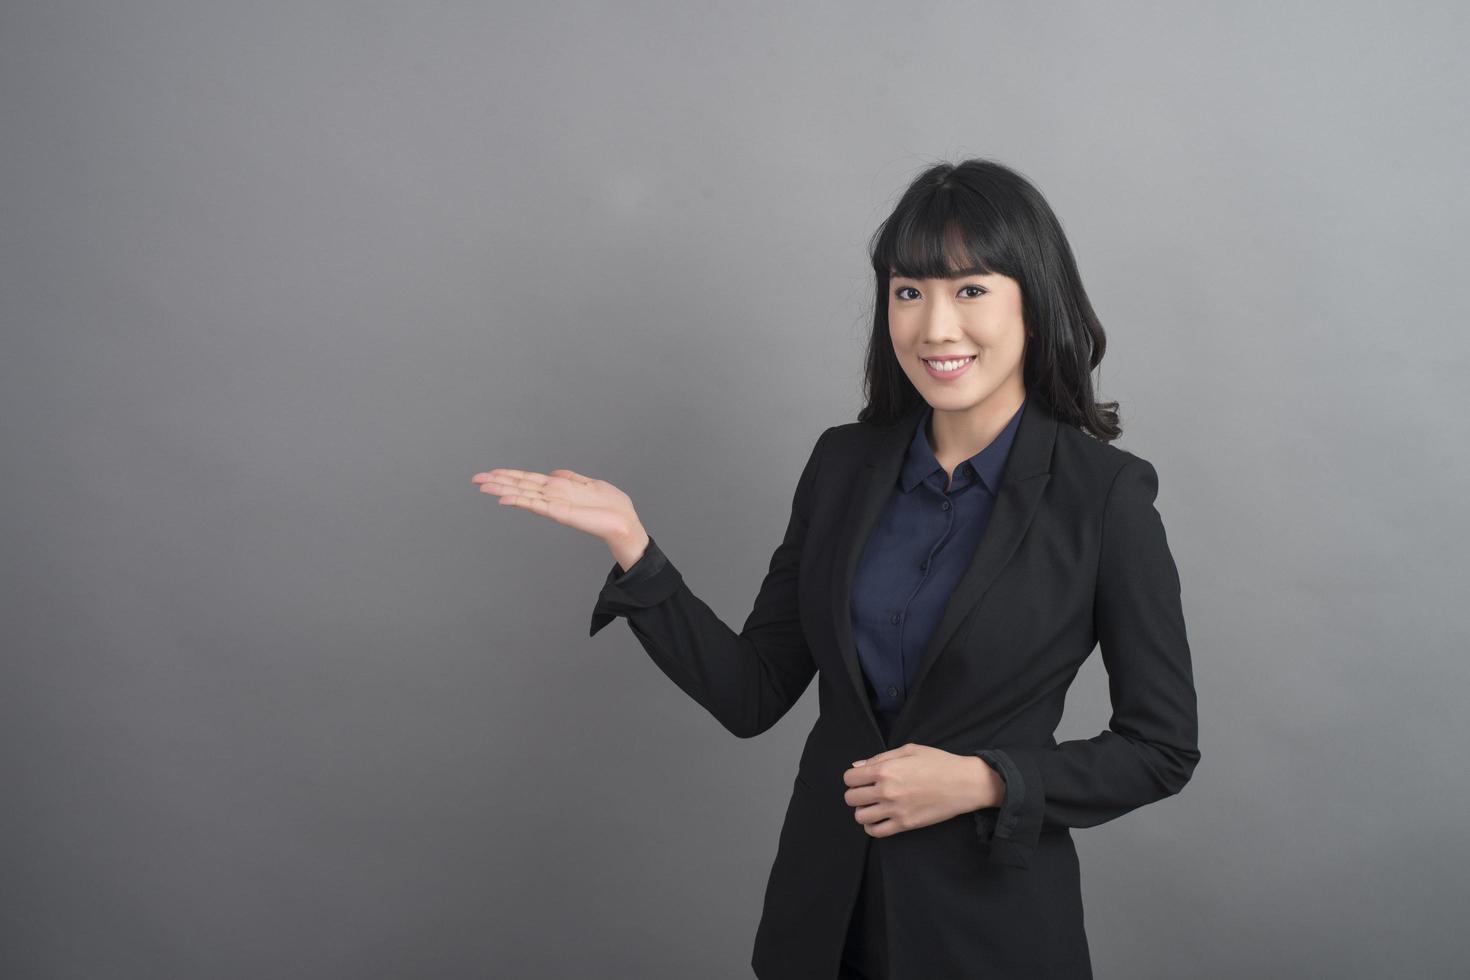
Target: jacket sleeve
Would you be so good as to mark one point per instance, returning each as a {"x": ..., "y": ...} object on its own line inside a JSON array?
[
  {"x": 1150, "y": 748},
  {"x": 746, "y": 680}
]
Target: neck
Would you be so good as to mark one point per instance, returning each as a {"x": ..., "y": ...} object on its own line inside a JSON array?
[{"x": 956, "y": 436}]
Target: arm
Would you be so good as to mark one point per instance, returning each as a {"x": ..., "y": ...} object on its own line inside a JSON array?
[
  {"x": 1150, "y": 748},
  {"x": 746, "y": 680}
]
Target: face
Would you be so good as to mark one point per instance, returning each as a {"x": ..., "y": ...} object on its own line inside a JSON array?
[{"x": 975, "y": 315}]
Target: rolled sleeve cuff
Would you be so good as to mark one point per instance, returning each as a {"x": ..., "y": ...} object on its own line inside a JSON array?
[
  {"x": 651, "y": 580},
  {"x": 1008, "y": 833}
]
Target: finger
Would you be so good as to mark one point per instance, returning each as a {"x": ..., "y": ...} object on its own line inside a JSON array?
[
  {"x": 519, "y": 481},
  {"x": 554, "y": 489},
  {"x": 878, "y": 820},
  {"x": 883, "y": 828},
  {"x": 504, "y": 481},
  {"x": 503, "y": 475},
  {"x": 572, "y": 475},
  {"x": 523, "y": 492},
  {"x": 502, "y": 487},
  {"x": 895, "y": 753},
  {"x": 518, "y": 486},
  {"x": 526, "y": 479}
]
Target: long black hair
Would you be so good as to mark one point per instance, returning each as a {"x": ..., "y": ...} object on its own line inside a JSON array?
[{"x": 980, "y": 214}]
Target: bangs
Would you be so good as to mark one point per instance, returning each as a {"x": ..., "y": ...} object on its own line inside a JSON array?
[{"x": 938, "y": 239}]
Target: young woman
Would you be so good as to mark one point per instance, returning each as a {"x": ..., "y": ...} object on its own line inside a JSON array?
[{"x": 951, "y": 560}]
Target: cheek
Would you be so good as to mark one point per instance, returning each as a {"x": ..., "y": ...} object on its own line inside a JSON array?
[{"x": 1008, "y": 337}]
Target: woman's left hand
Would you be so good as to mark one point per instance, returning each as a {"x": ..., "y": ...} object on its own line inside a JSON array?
[{"x": 914, "y": 786}]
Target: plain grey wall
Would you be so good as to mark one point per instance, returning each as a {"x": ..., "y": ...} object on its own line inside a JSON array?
[{"x": 284, "y": 696}]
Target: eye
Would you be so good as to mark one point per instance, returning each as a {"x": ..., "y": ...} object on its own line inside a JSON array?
[{"x": 969, "y": 292}]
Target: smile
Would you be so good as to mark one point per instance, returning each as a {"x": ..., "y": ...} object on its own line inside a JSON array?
[{"x": 946, "y": 369}]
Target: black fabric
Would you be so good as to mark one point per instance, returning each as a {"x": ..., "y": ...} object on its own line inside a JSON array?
[
  {"x": 1074, "y": 559},
  {"x": 865, "y": 952}
]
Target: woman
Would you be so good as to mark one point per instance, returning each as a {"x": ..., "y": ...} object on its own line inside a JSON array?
[{"x": 951, "y": 560}]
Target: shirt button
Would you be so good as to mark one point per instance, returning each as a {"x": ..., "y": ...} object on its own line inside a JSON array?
[
  {"x": 893, "y": 692},
  {"x": 924, "y": 565},
  {"x": 944, "y": 506},
  {"x": 895, "y": 617}
]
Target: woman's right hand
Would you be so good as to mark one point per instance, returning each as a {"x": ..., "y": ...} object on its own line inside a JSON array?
[{"x": 594, "y": 506}]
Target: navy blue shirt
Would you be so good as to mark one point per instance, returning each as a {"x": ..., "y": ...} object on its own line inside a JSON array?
[{"x": 922, "y": 543}]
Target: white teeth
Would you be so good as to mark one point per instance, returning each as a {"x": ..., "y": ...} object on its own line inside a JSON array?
[{"x": 950, "y": 365}]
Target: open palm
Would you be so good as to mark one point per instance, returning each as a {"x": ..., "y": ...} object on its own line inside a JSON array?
[{"x": 594, "y": 506}]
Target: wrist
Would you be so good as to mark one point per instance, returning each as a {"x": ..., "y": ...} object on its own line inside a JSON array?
[
  {"x": 992, "y": 785},
  {"x": 628, "y": 547}
]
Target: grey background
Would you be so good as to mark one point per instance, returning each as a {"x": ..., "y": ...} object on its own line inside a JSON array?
[{"x": 284, "y": 696}]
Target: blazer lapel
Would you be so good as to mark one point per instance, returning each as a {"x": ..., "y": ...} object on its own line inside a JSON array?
[{"x": 1027, "y": 470}]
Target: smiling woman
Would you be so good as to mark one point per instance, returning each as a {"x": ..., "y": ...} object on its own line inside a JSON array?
[
  {"x": 950, "y": 561},
  {"x": 973, "y": 263}
]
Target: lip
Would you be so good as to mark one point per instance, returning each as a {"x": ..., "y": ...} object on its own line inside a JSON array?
[{"x": 947, "y": 375}]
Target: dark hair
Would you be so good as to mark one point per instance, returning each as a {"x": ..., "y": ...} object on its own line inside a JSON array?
[{"x": 980, "y": 216}]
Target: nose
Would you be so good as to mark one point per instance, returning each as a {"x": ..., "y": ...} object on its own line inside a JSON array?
[{"x": 941, "y": 326}]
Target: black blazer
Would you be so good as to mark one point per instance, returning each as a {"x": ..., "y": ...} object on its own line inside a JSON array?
[{"x": 1074, "y": 556}]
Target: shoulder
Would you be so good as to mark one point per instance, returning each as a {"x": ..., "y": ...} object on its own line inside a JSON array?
[
  {"x": 1077, "y": 449},
  {"x": 849, "y": 435},
  {"x": 1098, "y": 469},
  {"x": 848, "y": 444},
  {"x": 846, "y": 438}
]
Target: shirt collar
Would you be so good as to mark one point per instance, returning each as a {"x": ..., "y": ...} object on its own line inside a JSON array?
[{"x": 920, "y": 461}]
